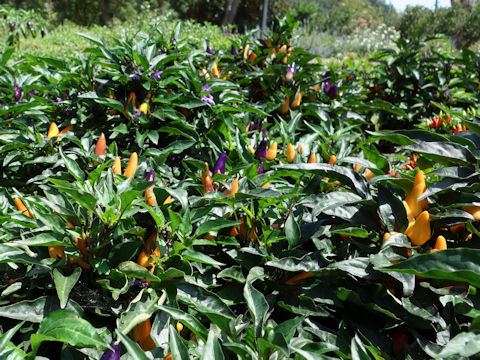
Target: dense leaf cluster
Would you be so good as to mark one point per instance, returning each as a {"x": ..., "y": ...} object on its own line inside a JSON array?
[{"x": 280, "y": 254}]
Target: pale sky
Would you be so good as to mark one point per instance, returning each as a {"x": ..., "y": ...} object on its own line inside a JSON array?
[{"x": 400, "y": 5}]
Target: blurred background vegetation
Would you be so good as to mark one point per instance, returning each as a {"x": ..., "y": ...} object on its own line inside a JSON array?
[{"x": 327, "y": 27}]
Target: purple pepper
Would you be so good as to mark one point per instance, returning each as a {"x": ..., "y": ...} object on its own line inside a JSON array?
[
  {"x": 151, "y": 176},
  {"x": 261, "y": 151},
  {"x": 259, "y": 125},
  {"x": 210, "y": 51},
  {"x": 260, "y": 169},
  {"x": 18, "y": 92},
  {"x": 234, "y": 50},
  {"x": 112, "y": 355},
  {"x": 220, "y": 164},
  {"x": 330, "y": 90}
]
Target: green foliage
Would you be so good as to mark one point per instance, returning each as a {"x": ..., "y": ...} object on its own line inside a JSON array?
[
  {"x": 459, "y": 23},
  {"x": 19, "y": 24},
  {"x": 293, "y": 261}
]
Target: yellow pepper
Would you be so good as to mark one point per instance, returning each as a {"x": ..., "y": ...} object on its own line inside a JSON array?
[
  {"x": 419, "y": 233},
  {"x": 272, "y": 152},
  {"x": 440, "y": 244},
  {"x": 52, "y": 130},
  {"x": 291, "y": 153}
]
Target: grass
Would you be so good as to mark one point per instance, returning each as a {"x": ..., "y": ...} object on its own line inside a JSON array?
[{"x": 63, "y": 41}]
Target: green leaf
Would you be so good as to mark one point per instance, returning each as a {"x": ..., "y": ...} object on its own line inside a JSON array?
[
  {"x": 73, "y": 167},
  {"x": 15, "y": 255},
  {"x": 133, "y": 270},
  {"x": 358, "y": 349},
  {"x": 292, "y": 231},
  {"x": 67, "y": 326},
  {"x": 212, "y": 349},
  {"x": 464, "y": 344},
  {"x": 443, "y": 152},
  {"x": 132, "y": 347},
  {"x": 7, "y": 336},
  {"x": 201, "y": 257},
  {"x": 42, "y": 239},
  {"x": 391, "y": 210},
  {"x": 36, "y": 310},
  {"x": 65, "y": 284},
  {"x": 346, "y": 176},
  {"x": 139, "y": 310},
  {"x": 214, "y": 225},
  {"x": 178, "y": 349},
  {"x": 257, "y": 304},
  {"x": 92, "y": 38},
  {"x": 190, "y": 321},
  {"x": 459, "y": 264}
]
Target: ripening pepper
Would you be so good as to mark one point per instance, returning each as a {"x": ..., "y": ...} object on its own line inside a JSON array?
[
  {"x": 179, "y": 326},
  {"x": 303, "y": 275},
  {"x": 22, "y": 207},
  {"x": 440, "y": 244},
  {"x": 208, "y": 184},
  {"x": 56, "y": 252},
  {"x": 233, "y": 188},
  {"x": 419, "y": 233},
  {"x": 143, "y": 108},
  {"x": 215, "y": 71},
  {"x": 272, "y": 152},
  {"x": 284, "y": 108},
  {"x": 312, "y": 159},
  {"x": 101, "y": 147},
  {"x": 291, "y": 153},
  {"x": 82, "y": 263},
  {"x": 132, "y": 165},
  {"x": 132, "y": 99},
  {"x": 387, "y": 235},
  {"x": 117, "y": 166},
  {"x": 149, "y": 194},
  {"x": 52, "y": 130},
  {"x": 245, "y": 51},
  {"x": 456, "y": 228},
  {"x": 141, "y": 333},
  {"x": 252, "y": 57},
  {"x": 368, "y": 174},
  {"x": 332, "y": 160},
  {"x": 297, "y": 100},
  {"x": 419, "y": 188},
  {"x": 473, "y": 210},
  {"x": 67, "y": 129}
]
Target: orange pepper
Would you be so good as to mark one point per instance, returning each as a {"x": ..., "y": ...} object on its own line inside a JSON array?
[
  {"x": 284, "y": 108},
  {"x": 132, "y": 165},
  {"x": 101, "y": 146},
  {"x": 21, "y": 207}
]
